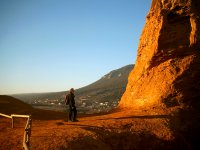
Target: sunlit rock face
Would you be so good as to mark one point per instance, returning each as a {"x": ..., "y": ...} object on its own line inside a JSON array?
[{"x": 167, "y": 70}]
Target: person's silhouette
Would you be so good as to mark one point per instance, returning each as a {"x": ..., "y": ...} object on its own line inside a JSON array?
[{"x": 72, "y": 108}]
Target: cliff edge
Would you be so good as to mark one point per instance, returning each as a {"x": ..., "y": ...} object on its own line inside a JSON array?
[{"x": 167, "y": 69}]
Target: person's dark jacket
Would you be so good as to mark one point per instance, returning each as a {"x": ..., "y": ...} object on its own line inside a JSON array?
[{"x": 71, "y": 100}]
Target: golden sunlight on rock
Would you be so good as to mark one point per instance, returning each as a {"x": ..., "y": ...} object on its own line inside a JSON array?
[{"x": 166, "y": 74}]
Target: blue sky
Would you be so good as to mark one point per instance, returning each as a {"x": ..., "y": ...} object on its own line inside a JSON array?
[{"x": 52, "y": 45}]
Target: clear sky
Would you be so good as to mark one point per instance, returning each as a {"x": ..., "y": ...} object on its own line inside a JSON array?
[{"x": 52, "y": 45}]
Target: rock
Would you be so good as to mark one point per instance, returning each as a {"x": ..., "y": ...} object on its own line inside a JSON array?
[
  {"x": 166, "y": 76},
  {"x": 167, "y": 70}
]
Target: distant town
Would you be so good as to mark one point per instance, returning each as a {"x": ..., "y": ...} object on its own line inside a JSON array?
[{"x": 84, "y": 104}]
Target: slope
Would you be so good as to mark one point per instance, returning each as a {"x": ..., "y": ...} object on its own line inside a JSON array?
[
  {"x": 108, "y": 89},
  {"x": 10, "y": 105}
]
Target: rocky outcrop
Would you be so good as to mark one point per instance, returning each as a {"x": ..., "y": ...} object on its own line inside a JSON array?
[{"x": 167, "y": 70}]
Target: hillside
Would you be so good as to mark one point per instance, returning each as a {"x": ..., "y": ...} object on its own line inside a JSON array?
[
  {"x": 102, "y": 95},
  {"x": 10, "y": 105},
  {"x": 107, "y": 91},
  {"x": 114, "y": 79}
]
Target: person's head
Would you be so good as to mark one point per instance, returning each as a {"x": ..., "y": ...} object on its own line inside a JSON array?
[{"x": 71, "y": 90}]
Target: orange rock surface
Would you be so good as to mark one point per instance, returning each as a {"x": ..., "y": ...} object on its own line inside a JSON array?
[{"x": 167, "y": 70}]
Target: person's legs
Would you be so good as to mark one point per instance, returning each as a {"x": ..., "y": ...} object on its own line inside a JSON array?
[
  {"x": 74, "y": 114},
  {"x": 70, "y": 114}
]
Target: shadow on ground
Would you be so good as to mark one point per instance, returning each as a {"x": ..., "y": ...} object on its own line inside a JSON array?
[
  {"x": 141, "y": 117},
  {"x": 112, "y": 140}
]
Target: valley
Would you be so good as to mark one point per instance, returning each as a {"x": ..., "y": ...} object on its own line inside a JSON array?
[{"x": 100, "y": 96}]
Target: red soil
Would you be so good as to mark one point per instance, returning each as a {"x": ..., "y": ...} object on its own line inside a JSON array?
[{"x": 118, "y": 130}]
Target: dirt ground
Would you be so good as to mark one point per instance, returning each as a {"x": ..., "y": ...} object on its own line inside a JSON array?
[{"x": 122, "y": 130}]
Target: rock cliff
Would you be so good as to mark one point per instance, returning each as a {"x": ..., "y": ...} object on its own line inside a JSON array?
[{"x": 167, "y": 69}]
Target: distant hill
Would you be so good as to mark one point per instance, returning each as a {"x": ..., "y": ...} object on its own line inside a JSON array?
[
  {"x": 106, "y": 92},
  {"x": 10, "y": 105},
  {"x": 107, "y": 89},
  {"x": 115, "y": 79}
]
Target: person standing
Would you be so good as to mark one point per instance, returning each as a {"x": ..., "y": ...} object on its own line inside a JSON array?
[{"x": 70, "y": 100}]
